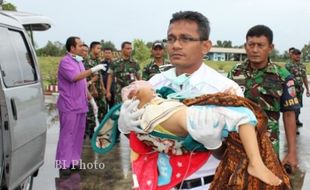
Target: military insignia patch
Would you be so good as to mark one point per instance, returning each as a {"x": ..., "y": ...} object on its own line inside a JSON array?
[{"x": 291, "y": 90}]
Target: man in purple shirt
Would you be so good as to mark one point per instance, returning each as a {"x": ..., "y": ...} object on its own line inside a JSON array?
[{"x": 72, "y": 104}]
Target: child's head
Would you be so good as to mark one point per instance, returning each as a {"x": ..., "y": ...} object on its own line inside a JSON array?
[{"x": 141, "y": 90}]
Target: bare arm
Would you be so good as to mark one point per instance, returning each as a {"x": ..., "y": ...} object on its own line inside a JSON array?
[
  {"x": 109, "y": 83},
  {"x": 101, "y": 83},
  {"x": 290, "y": 132},
  {"x": 88, "y": 72},
  {"x": 94, "y": 78},
  {"x": 82, "y": 75},
  {"x": 88, "y": 95},
  {"x": 306, "y": 83}
]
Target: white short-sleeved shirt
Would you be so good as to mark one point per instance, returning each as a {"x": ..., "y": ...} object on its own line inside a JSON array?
[{"x": 203, "y": 81}]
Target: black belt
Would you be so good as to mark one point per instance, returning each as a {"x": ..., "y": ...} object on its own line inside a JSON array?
[{"x": 197, "y": 182}]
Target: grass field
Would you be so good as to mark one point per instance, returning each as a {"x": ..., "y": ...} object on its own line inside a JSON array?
[
  {"x": 221, "y": 66},
  {"x": 48, "y": 67}
]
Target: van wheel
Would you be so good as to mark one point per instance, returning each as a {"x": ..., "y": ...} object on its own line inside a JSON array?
[{"x": 26, "y": 184}]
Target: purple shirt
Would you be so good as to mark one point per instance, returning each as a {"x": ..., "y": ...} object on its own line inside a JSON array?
[{"x": 72, "y": 94}]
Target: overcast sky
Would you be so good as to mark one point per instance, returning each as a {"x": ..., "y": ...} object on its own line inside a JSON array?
[{"x": 122, "y": 20}]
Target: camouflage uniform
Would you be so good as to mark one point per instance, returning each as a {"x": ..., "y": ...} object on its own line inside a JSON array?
[
  {"x": 100, "y": 100},
  {"x": 151, "y": 69},
  {"x": 104, "y": 75},
  {"x": 272, "y": 88},
  {"x": 124, "y": 71},
  {"x": 298, "y": 70}
]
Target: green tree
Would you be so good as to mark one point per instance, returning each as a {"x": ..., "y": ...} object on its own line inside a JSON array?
[
  {"x": 306, "y": 52},
  {"x": 274, "y": 55},
  {"x": 227, "y": 44},
  {"x": 141, "y": 52},
  {"x": 218, "y": 43},
  {"x": 224, "y": 44},
  {"x": 149, "y": 45},
  {"x": 52, "y": 49},
  {"x": 9, "y": 7},
  {"x": 285, "y": 55},
  {"x": 108, "y": 44}
]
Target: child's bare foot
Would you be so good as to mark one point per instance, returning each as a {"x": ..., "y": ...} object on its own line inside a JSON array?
[{"x": 260, "y": 171}]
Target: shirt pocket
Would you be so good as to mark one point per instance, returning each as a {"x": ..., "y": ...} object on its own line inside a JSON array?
[{"x": 271, "y": 91}]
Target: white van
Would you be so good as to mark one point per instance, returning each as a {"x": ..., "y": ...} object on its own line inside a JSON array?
[{"x": 22, "y": 118}]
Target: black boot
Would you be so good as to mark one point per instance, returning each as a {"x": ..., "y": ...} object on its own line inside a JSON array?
[{"x": 298, "y": 123}]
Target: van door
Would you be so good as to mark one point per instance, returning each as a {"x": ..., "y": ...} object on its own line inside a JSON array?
[
  {"x": 1, "y": 141},
  {"x": 22, "y": 107}
]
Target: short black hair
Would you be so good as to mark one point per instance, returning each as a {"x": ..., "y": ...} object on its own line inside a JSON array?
[
  {"x": 85, "y": 45},
  {"x": 94, "y": 43},
  {"x": 71, "y": 41},
  {"x": 260, "y": 30},
  {"x": 107, "y": 49},
  {"x": 198, "y": 18},
  {"x": 124, "y": 43},
  {"x": 291, "y": 49}
]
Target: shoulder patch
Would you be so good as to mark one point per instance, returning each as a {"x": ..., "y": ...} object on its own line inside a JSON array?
[
  {"x": 292, "y": 91},
  {"x": 291, "y": 88}
]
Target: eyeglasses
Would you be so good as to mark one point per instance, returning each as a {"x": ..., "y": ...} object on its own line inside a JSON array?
[{"x": 183, "y": 40}]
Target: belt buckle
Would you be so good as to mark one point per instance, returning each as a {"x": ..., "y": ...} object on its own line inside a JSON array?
[
  {"x": 197, "y": 182},
  {"x": 193, "y": 183},
  {"x": 188, "y": 184}
]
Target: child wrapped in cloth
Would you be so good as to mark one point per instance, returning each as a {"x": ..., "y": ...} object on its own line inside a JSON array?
[{"x": 235, "y": 117}]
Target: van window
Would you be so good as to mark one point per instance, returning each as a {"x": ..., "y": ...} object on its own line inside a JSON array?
[{"x": 17, "y": 64}]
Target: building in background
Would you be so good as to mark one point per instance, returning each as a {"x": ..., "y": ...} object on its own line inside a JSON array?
[{"x": 226, "y": 54}]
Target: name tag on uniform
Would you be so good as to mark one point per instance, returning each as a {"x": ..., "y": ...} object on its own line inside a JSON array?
[{"x": 291, "y": 102}]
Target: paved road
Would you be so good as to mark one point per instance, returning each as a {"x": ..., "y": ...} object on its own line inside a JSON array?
[{"x": 116, "y": 173}]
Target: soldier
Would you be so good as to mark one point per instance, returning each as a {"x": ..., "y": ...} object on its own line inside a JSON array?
[
  {"x": 298, "y": 70},
  {"x": 158, "y": 64},
  {"x": 270, "y": 86},
  {"x": 108, "y": 58},
  {"x": 123, "y": 71},
  {"x": 96, "y": 88},
  {"x": 84, "y": 53},
  {"x": 290, "y": 52}
]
